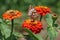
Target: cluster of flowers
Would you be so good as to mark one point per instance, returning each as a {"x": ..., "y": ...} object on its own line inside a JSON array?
[
  {"x": 11, "y": 14},
  {"x": 42, "y": 10},
  {"x": 34, "y": 26}
]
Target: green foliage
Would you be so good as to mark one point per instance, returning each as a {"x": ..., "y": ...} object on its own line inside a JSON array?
[
  {"x": 49, "y": 19},
  {"x": 34, "y": 36},
  {"x": 13, "y": 38},
  {"x": 5, "y": 30},
  {"x": 1, "y": 35},
  {"x": 17, "y": 34},
  {"x": 23, "y": 5},
  {"x": 55, "y": 25},
  {"x": 52, "y": 33}
]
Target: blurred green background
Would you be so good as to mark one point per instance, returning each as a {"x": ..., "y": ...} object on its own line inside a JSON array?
[{"x": 23, "y": 5}]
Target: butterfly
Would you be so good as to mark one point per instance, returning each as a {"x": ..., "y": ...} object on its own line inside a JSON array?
[{"x": 32, "y": 12}]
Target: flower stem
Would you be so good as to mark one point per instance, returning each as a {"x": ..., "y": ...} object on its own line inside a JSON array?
[
  {"x": 40, "y": 18},
  {"x": 11, "y": 29},
  {"x": 53, "y": 22}
]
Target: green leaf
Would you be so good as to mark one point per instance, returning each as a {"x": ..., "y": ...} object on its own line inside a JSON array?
[
  {"x": 0, "y": 20},
  {"x": 13, "y": 38},
  {"x": 34, "y": 36},
  {"x": 30, "y": 1},
  {"x": 5, "y": 30},
  {"x": 52, "y": 33},
  {"x": 17, "y": 34},
  {"x": 49, "y": 20},
  {"x": 55, "y": 25},
  {"x": 39, "y": 37},
  {"x": 7, "y": 22}
]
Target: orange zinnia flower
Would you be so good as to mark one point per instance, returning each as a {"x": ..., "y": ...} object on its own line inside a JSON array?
[
  {"x": 42, "y": 10},
  {"x": 34, "y": 26},
  {"x": 11, "y": 14}
]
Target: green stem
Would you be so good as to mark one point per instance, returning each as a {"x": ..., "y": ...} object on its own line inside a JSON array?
[
  {"x": 40, "y": 18},
  {"x": 53, "y": 22},
  {"x": 12, "y": 29}
]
